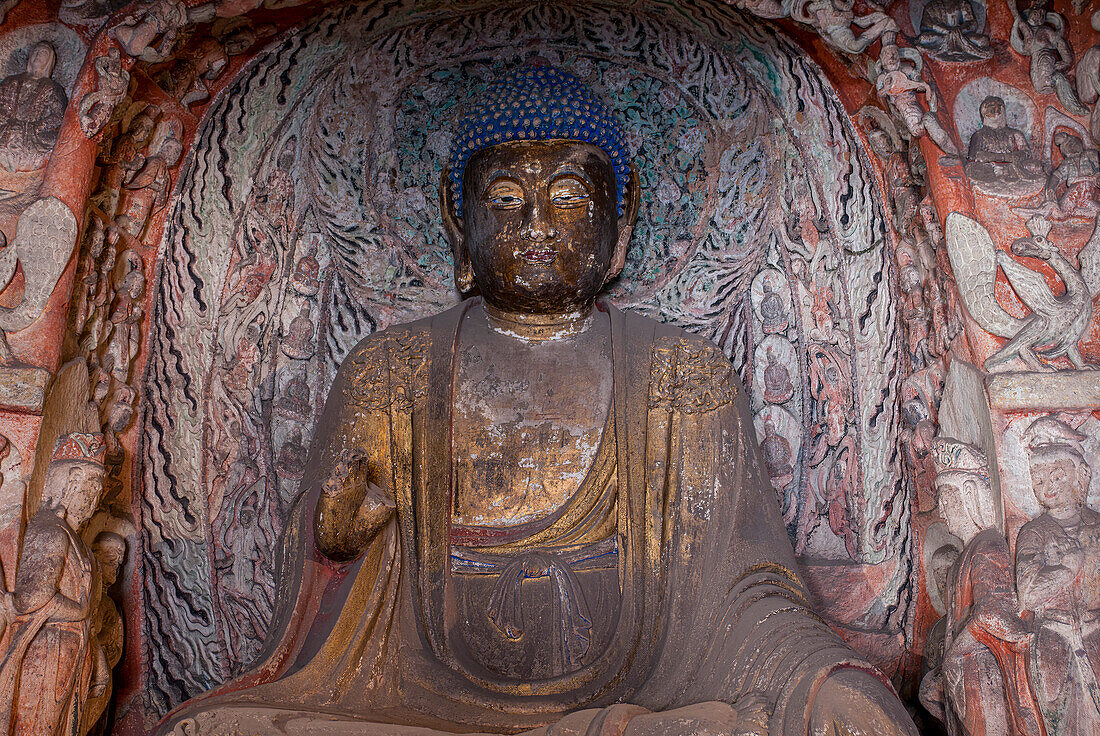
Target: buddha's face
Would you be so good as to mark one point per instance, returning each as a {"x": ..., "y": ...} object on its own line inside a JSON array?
[
  {"x": 141, "y": 128},
  {"x": 993, "y": 113},
  {"x": 540, "y": 233},
  {"x": 40, "y": 61},
  {"x": 965, "y": 503},
  {"x": 881, "y": 143},
  {"x": 1070, "y": 146}
]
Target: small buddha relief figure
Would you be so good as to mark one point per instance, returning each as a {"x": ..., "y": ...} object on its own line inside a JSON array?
[
  {"x": 298, "y": 340},
  {"x": 543, "y": 504},
  {"x": 905, "y": 188},
  {"x": 823, "y": 314},
  {"x": 777, "y": 456},
  {"x": 1040, "y": 35},
  {"x": 777, "y": 381},
  {"x": 914, "y": 312},
  {"x": 241, "y": 473},
  {"x": 238, "y": 34},
  {"x": 999, "y": 159},
  {"x": 772, "y": 310},
  {"x": 241, "y": 366},
  {"x": 272, "y": 201},
  {"x": 304, "y": 279},
  {"x": 116, "y": 414},
  {"x": 916, "y": 437},
  {"x": 31, "y": 107},
  {"x": 898, "y": 81},
  {"x": 245, "y": 570},
  {"x": 1058, "y": 574},
  {"x": 99, "y": 385},
  {"x": 97, "y": 108},
  {"x": 294, "y": 401},
  {"x": 833, "y": 20},
  {"x": 1087, "y": 79},
  {"x": 122, "y": 338},
  {"x": 95, "y": 243},
  {"x": 47, "y": 668},
  {"x": 982, "y": 684},
  {"x": 96, "y": 324},
  {"x": 931, "y": 695},
  {"x": 186, "y": 77},
  {"x": 109, "y": 550},
  {"x": 150, "y": 34},
  {"x": 291, "y": 459},
  {"x": 1073, "y": 188},
  {"x": 949, "y": 29}
]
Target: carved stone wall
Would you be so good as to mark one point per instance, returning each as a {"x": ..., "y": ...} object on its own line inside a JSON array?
[{"x": 204, "y": 204}]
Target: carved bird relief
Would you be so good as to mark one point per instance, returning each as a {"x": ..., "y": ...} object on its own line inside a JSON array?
[{"x": 1056, "y": 323}]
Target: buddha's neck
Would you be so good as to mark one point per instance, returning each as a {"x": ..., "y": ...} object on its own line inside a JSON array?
[{"x": 538, "y": 327}]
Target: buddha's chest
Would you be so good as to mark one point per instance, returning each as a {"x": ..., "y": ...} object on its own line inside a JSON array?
[
  {"x": 998, "y": 140},
  {"x": 527, "y": 420}
]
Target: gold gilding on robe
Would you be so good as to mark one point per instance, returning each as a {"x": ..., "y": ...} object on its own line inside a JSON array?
[
  {"x": 710, "y": 607},
  {"x": 389, "y": 370}
]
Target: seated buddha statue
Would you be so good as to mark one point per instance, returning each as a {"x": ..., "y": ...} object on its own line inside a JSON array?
[{"x": 534, "y": 513}]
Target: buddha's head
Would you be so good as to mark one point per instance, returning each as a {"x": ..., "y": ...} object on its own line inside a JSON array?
[
  {"x": 889, "y": 57},
  {"x": 964, "y": 502},
  {"x": 965, "y": 497},
  {"x": 1068, "y": 144},
  {"x": 40, "y": 60},
  {"x": 539, "y": 200},
  {"x": 992, "y": 111}
]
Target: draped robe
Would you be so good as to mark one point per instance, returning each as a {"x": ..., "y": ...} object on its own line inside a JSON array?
[
  {"x": 711, "y": 609},
  {"x": 46, "y": 665}
]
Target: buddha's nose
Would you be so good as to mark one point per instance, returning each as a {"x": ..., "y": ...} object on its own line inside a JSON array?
[{"x": 537, "y": 226}]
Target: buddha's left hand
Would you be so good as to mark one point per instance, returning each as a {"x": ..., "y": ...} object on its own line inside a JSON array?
[{"x": 854, "y": 703}]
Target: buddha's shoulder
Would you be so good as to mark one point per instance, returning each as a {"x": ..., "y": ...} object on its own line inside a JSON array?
[
  {"x": 389, "y": 365},
  {"x": 403, "y": 338},
  {"x": 689, "y": 372}
]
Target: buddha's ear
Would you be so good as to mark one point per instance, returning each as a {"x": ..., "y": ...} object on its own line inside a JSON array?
[
  {"x": 452, "y": 224},
  {"x": 625, "y": 227}
]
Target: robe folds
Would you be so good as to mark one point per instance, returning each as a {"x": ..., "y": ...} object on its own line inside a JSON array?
[{"x": 711, "y": 607}]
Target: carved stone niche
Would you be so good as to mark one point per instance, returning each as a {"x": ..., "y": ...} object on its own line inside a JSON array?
[{"x": 343, "y": 160}]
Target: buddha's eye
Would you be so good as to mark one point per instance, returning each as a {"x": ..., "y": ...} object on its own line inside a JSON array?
[
  {"x": 569, "y": 191},
  {"x": 504, "y": 195}
]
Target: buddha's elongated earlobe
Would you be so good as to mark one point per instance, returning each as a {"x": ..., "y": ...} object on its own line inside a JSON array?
[
  {"x": 625, "y": 225},
  {"x": 464, "y": 277},
  {"x": 453, "y": 225}
]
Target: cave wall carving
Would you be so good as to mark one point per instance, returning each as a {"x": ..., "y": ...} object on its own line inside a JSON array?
[{"x": 886, "y": 218}]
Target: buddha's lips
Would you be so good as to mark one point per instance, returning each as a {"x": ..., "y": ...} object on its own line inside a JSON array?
[{"x": 542, "y": 256}]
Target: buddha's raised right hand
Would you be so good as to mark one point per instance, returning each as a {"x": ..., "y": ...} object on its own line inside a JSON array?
[{"x": 350, "y": 510}]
